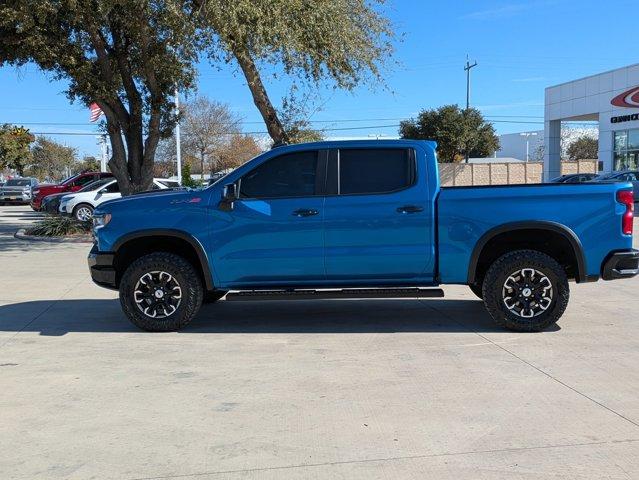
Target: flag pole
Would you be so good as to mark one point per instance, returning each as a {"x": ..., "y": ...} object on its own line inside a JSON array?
[{"x": 178, "y": 153}]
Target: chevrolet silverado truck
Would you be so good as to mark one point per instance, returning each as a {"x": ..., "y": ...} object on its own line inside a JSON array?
[{"x": 360, "y": 219}]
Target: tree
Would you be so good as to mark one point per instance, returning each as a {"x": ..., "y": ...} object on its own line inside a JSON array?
[
  {"x": 14, "y": 147},
  {"x": 187, "y": 181},
  {"x": 237, "y": 151},
  {"x": 346, "y": 42},
  {"x": 127, "y": 56},
  {"x": 52, "y": 160},
  {"x": 584, "y": 147},
  {"x": 294, "y": 116},
  {"x": 206, "y": 126},
  {"x": 456, "y": 132},
  {"x": 89, "y": 164}
]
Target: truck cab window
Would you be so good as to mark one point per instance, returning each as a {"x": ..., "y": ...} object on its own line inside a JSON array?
[
  {"x": 369, "y": 171},
  {"x": 292, "y": 175}
]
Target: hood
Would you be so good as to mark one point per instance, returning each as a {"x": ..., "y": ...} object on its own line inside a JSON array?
[
  {"x": 154, "y": 199},
  {"x": 48, "y": 188}
]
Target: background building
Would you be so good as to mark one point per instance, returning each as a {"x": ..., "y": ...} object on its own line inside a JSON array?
[
  {"x": 513, "y": 145},
  {"x": 612, "y": 100}
]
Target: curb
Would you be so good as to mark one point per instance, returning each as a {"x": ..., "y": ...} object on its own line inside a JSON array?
[{"x": 21, "y": 235}]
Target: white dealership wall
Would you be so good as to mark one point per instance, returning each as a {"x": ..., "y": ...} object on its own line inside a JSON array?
[{"x": 590, "y": 98}]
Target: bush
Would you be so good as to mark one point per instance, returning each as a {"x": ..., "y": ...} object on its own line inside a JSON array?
[{"x": 59, "y": 227}]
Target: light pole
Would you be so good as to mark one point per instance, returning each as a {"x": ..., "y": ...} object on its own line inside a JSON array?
[
  {"x": 104, "y": 151},
  {"x": 528, "y": 135}
]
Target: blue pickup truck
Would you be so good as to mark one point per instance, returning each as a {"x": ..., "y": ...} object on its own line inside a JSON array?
[{"x": 360, "y": 219}]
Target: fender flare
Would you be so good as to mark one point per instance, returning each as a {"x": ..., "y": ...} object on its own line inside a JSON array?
[
  {"x": 167, "y": 232},
  {"x": 567, "y": 233}
]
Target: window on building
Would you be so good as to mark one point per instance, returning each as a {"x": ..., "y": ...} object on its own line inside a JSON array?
[{"x": 626, "y": 145}]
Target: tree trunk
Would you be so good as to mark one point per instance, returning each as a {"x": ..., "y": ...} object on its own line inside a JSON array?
[{"x": 260, "y": 97}]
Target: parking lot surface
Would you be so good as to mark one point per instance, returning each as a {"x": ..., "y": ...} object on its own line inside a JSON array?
[{"x": 348, "y": 389}]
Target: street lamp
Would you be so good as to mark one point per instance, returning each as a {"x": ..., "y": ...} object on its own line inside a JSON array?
[{"x": 528, "y": 135}]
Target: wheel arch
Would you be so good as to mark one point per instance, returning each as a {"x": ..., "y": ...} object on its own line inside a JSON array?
[
  {"x": 551, "y": 232},
  {"x": 138, "y": 243}
]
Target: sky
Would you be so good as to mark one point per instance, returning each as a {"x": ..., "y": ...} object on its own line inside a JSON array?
[{"x": 521, "y": 48}]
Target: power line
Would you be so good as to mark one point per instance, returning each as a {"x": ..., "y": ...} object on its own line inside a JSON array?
[{"x": 258, "y": 122}]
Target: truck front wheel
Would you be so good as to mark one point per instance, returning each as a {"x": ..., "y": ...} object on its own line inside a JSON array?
[
  {"x": 160, "y": 292},
  {"x": 525, "y": 291}
]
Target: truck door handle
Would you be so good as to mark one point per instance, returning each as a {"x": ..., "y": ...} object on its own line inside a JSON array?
[
  {"x": 305, "y": 212},
  {"x": 410, "y": 209}
]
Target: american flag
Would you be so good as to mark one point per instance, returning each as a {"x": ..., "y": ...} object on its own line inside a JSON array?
[{"x": 95, "y": 112}]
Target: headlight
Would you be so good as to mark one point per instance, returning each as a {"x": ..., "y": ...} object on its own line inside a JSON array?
[{"x": 101, "y": 220}]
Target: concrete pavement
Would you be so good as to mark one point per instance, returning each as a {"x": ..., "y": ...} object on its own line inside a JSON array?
[{"x": 352, "y": 389}]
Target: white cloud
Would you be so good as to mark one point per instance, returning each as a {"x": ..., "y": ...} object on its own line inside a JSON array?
[{"x": 507, "y": 10}]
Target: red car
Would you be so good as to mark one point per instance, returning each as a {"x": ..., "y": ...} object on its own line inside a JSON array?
[{"x": 71, "y": 184}]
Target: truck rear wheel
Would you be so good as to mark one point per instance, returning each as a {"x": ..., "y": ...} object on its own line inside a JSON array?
[
  {"x": 525, "y": 291},
  {"x": 160, "y": 292}
]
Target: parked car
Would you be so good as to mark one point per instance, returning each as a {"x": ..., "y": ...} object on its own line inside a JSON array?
[
  {"x": 217, "y": 175},
  {"x": 574, "y": 178},
  {"x": 624, "y": 176},
  {"x": 18, "y": 190},
  {"x": 360, "y": 219},
  {"x": 80, "y": 205},
  {"x": 71, "y": 184},
  {"x": 51, "y": 203}
]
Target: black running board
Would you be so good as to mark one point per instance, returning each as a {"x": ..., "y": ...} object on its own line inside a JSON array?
[{"x": 335, "y": 293}]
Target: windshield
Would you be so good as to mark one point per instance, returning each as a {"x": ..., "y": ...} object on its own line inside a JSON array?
[
  {"x": 68, "y": 179},
  {"x": 606, "y": 176},
  {"x": 169, "y": 183},
  {"x": 18, "y": 182},
  {"x": 95, "y": 185}
]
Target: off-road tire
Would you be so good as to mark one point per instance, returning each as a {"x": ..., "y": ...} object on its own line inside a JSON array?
[
  {"x": 477, "y": 290},
  {"x": 213, "y": 296},
  {"x": 512, "y": 262},
  {"x": 184, "y": 274}
]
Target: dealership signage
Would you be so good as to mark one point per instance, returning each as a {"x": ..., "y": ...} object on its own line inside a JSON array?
[
  {"x": 624, "y": 118},
  {"x": 627, "y": 99}
]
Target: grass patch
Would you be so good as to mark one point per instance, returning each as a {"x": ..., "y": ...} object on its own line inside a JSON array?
[{"x": 58, "y": 226}]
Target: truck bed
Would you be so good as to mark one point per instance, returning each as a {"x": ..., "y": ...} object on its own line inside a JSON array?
[{"x": 466, "y": 214}]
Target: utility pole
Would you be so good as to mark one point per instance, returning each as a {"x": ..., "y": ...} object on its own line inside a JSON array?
[
  {"x": 467, "y": 68},
  {"x": 178, "y": 152}
]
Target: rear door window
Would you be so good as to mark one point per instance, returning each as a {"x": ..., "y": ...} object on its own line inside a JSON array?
[
  {"x": 375, "y": 170},
  {"x": 289, "y": 175}
]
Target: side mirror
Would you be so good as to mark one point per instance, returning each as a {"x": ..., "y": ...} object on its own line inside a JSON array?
[
  {"x": 229, "y": 195},
  {"x": 230, "y": 192}
]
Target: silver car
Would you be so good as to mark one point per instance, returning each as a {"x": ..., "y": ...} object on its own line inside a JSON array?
[{"x": 18, "y": 190}]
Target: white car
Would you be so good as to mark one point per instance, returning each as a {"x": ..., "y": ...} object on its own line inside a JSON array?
[{"x": 80, "y": 205}]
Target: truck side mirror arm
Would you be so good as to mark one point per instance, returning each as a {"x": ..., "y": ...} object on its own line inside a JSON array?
[{"x": 229, "y": 195}]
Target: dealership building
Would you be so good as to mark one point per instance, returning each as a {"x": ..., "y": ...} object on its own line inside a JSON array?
[{"x": 609, "y": 98}]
